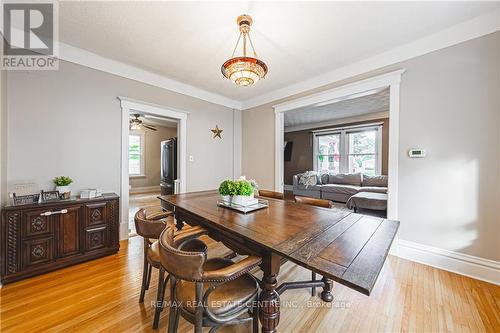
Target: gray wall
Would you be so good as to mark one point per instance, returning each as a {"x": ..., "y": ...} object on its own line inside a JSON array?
[
  {"x": 152, "y": 156},
  {"x": 68, "y": 122},
  {"x": 449, "y": 106}
]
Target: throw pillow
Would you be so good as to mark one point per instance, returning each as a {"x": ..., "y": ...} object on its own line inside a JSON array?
[{"x": 308, "y": 178}]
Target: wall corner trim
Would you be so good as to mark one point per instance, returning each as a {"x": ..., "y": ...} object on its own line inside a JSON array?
[{"x": 456, "y": 262}]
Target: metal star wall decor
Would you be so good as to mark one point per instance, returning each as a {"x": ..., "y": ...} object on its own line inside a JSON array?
[{"x": 217, "y": 132}]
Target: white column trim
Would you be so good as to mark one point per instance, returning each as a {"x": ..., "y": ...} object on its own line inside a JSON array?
[
  {"x": 279, "y": 146},
  {"x": 389, "y": 80},
  {"x": 393, "y": 158},
  {"x": 127, "y": 105}
]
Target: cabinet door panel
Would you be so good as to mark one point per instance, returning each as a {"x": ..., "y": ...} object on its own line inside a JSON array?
[
  {"x": 36, "y": 224},
  {"x": 69, "y": 232},
  {"x": 38, "y": 251},
  {"x": 95, "y": 214}
]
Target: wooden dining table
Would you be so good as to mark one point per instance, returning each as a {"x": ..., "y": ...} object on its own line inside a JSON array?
[{"x": 342, "y": 246}]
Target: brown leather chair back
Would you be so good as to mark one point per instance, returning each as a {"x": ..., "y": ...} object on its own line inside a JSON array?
[
  {"x": 271, "y": 194},
  {"x": 314, "y": 202},
  {"x": 147, "y": 228},
  {"x": 183, "y": 265}
]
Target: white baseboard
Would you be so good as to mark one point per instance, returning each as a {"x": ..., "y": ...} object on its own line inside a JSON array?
[
  {"x": 124, "y": 230},
  {"x": 288, "y": 187},
  {"x": 464, "y": 264},
  {"x": 145, "y": 189}
]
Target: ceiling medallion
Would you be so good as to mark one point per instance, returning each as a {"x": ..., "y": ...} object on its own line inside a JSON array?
[{"x": 244, "y": 71}]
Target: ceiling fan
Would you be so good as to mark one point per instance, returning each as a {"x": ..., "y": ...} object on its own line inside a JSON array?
[{"x": 136, "y": 124}]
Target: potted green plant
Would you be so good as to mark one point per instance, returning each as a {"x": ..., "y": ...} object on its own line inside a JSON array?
[
  {"x": 62, "y": 185},
  {"x": 227, "y": 190},
  {"x": 244, "y": 193}
]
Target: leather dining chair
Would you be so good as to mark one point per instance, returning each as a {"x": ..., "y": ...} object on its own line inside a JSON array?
[
  {"x": 149, "y": 227},
  {"x": 318, "y": 203},
  {"x": 207, "y": 292},
  {"x": 271, "y": 194}
]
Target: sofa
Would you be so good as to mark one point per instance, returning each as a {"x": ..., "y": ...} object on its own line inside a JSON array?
[{"x": 337, "y": 187}]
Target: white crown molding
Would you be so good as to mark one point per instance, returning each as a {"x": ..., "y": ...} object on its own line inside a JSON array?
[
  {"x": 94, "y": 61},
  {"x": 464, "y": 264},
  {"x": 477, "y": 27}
]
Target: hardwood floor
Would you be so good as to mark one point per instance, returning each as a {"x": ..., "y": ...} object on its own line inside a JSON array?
[
  {"x": 141, "y": 200},
  {"x": 102, "y": 296}
]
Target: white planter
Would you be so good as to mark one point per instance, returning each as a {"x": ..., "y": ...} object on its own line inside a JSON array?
[
  {"x": 244, "y": 200},
  {"x": 64, "y": 191},
  {"x": 226, "y": 198}
]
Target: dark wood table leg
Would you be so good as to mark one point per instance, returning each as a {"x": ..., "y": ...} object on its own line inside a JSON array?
[
  {"x": 269, "y": 299},
  {"x": 326, "y": 294},
  {"x": 179, "y": 224}
]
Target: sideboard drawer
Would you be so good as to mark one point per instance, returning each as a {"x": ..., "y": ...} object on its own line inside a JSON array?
[
  {"x": 37, "y": 224},
  {"x": 97, "y": 238},
  {"x": 95, "y": 214},
  {"x": 38, "y": 251}
]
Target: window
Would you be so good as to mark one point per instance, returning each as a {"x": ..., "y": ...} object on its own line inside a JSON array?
[
  {"x": 349, "y": 150},
  {"x": 136, "y": 154},
  {"x": 329, "y": 153},
  {"x": 363, "y": 152}
]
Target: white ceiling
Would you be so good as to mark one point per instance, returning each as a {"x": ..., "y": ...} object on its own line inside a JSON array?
[
  {"x": 378, "y": 102},
  {"x": 188, "y": 41}
]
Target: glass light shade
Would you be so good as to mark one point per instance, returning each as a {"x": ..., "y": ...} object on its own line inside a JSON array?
[
  {"x": 135, "y": 126},
  {"x": 244, "y": 71}
]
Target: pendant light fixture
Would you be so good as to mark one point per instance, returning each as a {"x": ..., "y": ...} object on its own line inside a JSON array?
[{"x": 243, "y": 70}]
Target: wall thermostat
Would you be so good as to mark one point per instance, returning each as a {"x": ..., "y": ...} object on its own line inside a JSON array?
[{"x": 416, "y": 152}]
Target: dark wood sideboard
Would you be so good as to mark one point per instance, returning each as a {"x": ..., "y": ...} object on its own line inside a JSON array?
[{"x": 38, "y": 238}]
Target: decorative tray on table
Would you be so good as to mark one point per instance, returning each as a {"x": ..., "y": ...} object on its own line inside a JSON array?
[{"x": 244, "y": 209}]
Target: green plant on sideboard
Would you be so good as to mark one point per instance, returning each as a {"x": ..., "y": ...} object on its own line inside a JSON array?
[
  {"x": 62, "y": 185},
  {"x": 62, "y": 181}
]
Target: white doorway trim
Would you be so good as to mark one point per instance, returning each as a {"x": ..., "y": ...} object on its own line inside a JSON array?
[
  {"x": 389, "y": 80},
  {"x": 128, "y": 105}
]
